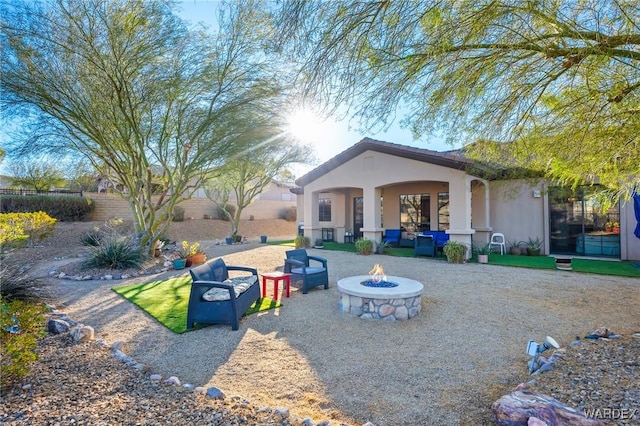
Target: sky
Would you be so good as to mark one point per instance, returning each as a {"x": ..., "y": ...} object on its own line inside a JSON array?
[{"x": 330, "y": 137}]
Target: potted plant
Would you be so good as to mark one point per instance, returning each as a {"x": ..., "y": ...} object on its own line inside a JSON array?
[
  {"x": 364, "y": 246},
  {"x": 515, "y": 247},
  {"x": 228, "y": 240},
  {"x": 534, "y": 246},
  {"x": 319, "y": 243},
  {"x": 191, "y": 253},
  {"x": 455, "y": 251},
  {"x": 179, "y": 263},
  {"x": 382, "y": 246},
  {"x": 159, "y": 244},
  {"x": 263, "y": 239},
  {"x": 483, "y": 251},
  {"x": 301, "y": 241}
]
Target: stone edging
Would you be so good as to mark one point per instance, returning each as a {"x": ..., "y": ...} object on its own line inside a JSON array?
[{"x": 61, "y": 323}]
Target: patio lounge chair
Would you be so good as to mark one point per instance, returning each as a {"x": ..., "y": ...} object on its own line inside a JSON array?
[
  {"x": 216, "y": 299},
  {"x": 297, "y": 264},
  {"x": 440, "y": 238},
  {"x": 392, "y": 236},
  {"x": 425, "y": 245}
]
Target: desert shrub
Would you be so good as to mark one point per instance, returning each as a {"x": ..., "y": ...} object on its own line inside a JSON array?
[
  {"x": 15, "y": 285},
  {"x": 231, "y": 209},
  {"x": 178, "y": 214},
  {"x": 364, "y": 246},
  {"x": 21, "y": 325},
  {"x": 301, "y": 241},
  {"x": 63, "y": 208},
  {"x": 116, "y": 253},
  {"x": 92, "y": 238},
  {"x": 18, "y": 228},
  {"x": 290, "y": 214}
]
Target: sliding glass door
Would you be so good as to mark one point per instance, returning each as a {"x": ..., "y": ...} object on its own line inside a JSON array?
[{"x": 578, "y": 225}]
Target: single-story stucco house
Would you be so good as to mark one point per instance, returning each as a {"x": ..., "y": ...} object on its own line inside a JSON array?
[{"x": 374, "y": 185}]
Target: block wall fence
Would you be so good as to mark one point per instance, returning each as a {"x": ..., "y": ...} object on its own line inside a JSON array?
[{"x": 108, "y": 206}]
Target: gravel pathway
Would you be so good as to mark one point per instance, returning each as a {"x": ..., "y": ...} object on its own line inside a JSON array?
[{"x": 446, "y": 366}]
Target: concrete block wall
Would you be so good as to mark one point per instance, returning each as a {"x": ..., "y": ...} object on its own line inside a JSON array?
[{"x": 108, "y": 206}]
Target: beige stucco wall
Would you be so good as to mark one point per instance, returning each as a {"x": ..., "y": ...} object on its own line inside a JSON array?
[
  {"x": 376, "y": 175},
  {"x": 111, "y": 205},
  {"x": 515, "y": 211},
  {"x": 518, "y": 209}
]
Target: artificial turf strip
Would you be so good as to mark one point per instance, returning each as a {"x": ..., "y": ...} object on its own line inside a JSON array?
[
  {"x": 167, "y": 300},
  {"x": 591, "y": 266}
]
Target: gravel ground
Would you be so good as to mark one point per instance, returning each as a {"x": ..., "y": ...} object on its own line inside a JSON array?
[{"x": 446, "y": 366}]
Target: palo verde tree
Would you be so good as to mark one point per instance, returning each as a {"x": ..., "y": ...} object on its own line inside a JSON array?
[
  {"x": 152, "y": 104},
  {"x": 40, "y": 175},
  {"x": 558, "y": 80},
  {"x": 244, "y": 177}
]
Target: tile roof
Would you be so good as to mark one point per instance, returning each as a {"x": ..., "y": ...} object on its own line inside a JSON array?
[{"x": 452, "y": 159}]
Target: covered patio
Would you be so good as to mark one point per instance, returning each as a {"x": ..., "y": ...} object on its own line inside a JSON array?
[{"x": 374, "y": 186}]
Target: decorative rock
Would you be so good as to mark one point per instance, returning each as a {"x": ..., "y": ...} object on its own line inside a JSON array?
[
  {"x": 368, "y": 424},
  {"x": 83, "y": 333},
  {"x": 117, "y": 345},
  {"x": 534, "y": 421},
  {"x": 282, "y": 412},
  {"x": 517, "y": 407},
  {"x": 200, "y": 389},
  {"x": 155, "y": 377},
  {"x": 215, "y": 393},
  {"x": 188, "y": 386},
  {"x": 308, "y": 422},
  {"x": 173, "y": 380},
  {"x": 117, "y": 354},
  {"x": 57, "y": 326}
]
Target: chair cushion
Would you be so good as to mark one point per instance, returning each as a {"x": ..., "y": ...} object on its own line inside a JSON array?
[
  {"x": 310, "y": 270},
  {"x": 240, "y": 285}
]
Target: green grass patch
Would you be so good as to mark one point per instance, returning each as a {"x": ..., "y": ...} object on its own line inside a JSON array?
[
  {"x": 589, "y": 266},
  {"x": 167, "y": 300}
]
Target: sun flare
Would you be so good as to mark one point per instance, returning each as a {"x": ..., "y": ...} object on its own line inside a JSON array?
[{"x": 305, "y": 126}]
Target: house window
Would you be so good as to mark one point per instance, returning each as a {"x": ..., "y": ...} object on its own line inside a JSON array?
[
  {"x": 443, "y": 211},
  {"x": 415, "y": 214},
  {"x": 324, "y": 212}
]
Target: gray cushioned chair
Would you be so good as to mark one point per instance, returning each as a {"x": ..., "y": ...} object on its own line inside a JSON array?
[
  {"x": 298, "y": 264},
  {"x": 210, "y": 276}
]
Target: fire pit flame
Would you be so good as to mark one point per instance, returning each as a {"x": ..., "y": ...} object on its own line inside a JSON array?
[{"x": 377, "y": 273}]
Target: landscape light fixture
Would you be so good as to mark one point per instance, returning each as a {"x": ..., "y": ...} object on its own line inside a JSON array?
[{"x": 534, "y": 349}]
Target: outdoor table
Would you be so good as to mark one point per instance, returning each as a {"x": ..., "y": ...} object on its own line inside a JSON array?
[{"x": 276, "y": 277}]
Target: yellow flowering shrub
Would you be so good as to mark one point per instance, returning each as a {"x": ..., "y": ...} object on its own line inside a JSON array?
[{"x": 17, "y": 228}]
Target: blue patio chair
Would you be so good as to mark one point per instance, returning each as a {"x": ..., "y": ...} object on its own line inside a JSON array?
[
  {"x": 217, "y": 299},
  {"x": 297, "y": 263},
  {"x": 424, "y": 245},
  {"x": 392, "y": 236}
]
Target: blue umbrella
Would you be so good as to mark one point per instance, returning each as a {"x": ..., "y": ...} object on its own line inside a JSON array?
[{"x": 636, "y": 208}]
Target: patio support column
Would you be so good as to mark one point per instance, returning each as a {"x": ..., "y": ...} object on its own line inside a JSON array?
[
  {"x": 311, "y": 225},
  {"x": 341, "y": 215},
  {"x": 460, "y": 211},
  {"x": 371, "y": 207},
  {"x": 481, "y": 209}
]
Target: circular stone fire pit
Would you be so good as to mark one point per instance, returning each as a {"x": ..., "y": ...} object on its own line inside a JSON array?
[{"x": 401, "y": 302}]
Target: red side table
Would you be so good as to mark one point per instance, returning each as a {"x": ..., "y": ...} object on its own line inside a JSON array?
[{"x": 276, "y": 277}]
